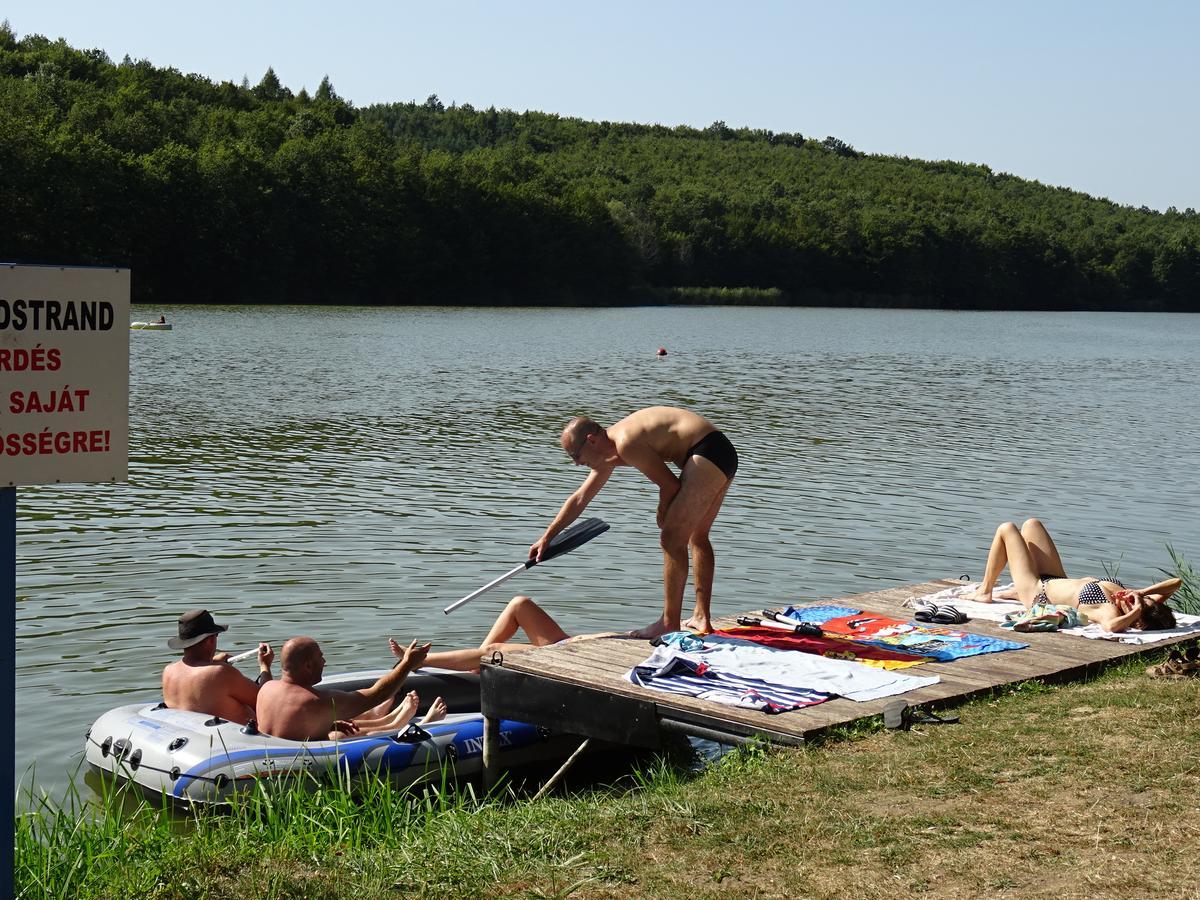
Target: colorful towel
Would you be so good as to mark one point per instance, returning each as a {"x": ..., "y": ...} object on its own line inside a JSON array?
[
  {"x": 940, "y": 642},
  {"x": 818, "y": 614},
  {"x": 735, "y": 666},
  {"x": 832, "y": 647},
  {"x": 1044, "y": 617}
]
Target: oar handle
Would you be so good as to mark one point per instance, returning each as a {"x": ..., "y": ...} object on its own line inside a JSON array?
[
  {"x": 242, "y": 656},
  {"x": 515, "y": 570}
]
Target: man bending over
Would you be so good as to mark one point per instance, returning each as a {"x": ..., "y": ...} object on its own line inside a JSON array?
[{"x": 687, "y": 504}]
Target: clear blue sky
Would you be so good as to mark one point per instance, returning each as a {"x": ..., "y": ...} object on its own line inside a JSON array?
[{"x": 1093, "y": 95}]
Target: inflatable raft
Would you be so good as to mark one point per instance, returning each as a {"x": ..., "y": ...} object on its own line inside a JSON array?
[
  {"x": 195, "y": 758},
  {"x": 150, "y": 326}
]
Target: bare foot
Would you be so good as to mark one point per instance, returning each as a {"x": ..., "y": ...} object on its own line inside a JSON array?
[
  {"x": 655, "y": 629},
  {"x": 436, "y": 712},
  {"x": 699, "y": 624},
  {"x": 982, "y": 596},
  {"x": 407, "y": 708},
  {"x": 397, "y": 650}
]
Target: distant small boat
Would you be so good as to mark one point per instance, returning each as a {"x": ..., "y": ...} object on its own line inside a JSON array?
[{"x": 150, "y": 326}]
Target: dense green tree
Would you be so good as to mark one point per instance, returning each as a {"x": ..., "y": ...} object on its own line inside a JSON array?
[{"x": 215, "y": 191}]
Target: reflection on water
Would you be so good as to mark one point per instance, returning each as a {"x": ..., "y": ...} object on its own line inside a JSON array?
[{"x": 346, "y": 473}]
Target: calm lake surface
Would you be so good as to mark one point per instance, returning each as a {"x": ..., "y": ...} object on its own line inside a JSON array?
[{"x": 346, "y": 473}]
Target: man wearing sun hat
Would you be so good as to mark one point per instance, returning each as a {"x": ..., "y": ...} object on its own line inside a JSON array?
[{"x": 203, "y": 681}]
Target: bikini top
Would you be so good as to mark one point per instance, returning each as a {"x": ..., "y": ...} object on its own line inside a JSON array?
[{"x": 1091, "y": 594}]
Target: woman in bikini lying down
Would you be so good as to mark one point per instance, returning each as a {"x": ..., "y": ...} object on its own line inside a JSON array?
[{"x": 1039, "y": 577}]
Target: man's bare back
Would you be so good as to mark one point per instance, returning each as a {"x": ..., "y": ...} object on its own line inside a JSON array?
[
  {"x": 203, "y": 681},
  {"x": 210, "y": 687},
  {"x": 668, "y": 431},
  {"x": 298, "y": 713}
]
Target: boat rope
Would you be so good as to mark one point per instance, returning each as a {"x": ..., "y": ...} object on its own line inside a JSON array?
[{"x": 108, "y": 746}]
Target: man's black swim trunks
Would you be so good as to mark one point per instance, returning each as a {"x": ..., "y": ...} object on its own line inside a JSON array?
[{"x": 717, "y": 449}]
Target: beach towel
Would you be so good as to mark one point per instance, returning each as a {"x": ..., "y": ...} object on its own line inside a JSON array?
[
  {"x": 941, "y": 642},
  {"x": 678, "y": 672},
  {"x": 739, "y": 664},
  {"x": 957, "y": 596},
  {"x": 1184, "y": 625},
  {"x": 833, "y": 647},
  {"x": 818, "y": 614},
  {"x": 1044, "y": 617}
]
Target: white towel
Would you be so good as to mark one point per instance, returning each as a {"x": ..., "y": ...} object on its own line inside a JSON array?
[
  {"x": 957, "y": 597},
  {"x": 806, "y": 671},
  {"x": 1184, "y": 625},
  {"x": 996, "y": 611}
]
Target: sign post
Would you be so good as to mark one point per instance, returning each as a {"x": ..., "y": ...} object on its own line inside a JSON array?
[{"x": 64, "y": 417}]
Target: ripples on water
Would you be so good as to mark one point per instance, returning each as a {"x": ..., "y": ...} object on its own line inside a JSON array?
[{"x": 346, "y": 473}]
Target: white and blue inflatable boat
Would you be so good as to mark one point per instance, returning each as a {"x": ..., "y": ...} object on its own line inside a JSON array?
[{"x": 195, "y": 758}]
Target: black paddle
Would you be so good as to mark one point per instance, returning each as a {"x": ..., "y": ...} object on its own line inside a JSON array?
[{"x": 564, "y": 542}]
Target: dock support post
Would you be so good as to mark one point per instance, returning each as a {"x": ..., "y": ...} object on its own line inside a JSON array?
[{"x": 491, "y": 753}]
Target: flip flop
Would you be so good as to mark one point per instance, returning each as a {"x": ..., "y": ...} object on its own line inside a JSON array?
[
  {"x": 948, "y": 615},
  {"x": 939, "y": 615},
  {"x": 921, "y": 607}
]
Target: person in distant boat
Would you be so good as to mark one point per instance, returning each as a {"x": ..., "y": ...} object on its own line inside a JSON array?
[
  {"x": 688, "y": 503},
  {"x": 203, "y": 681},
  {"x": 521, "y": 614},
  {"x": 294, "y": 709},
  {"x": 1039, "y": 577},
  {"x": 162, "y": 320}
]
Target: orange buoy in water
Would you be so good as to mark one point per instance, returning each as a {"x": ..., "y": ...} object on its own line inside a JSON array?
[{"x": 662, "y": 351}]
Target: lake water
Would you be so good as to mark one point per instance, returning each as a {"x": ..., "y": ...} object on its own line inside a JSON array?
[{"x": 347, "y": 472}]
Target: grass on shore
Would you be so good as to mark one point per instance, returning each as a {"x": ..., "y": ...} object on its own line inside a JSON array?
[
  {"x": 726, "y": 296},
  {"x": 1089, "y": 789}
]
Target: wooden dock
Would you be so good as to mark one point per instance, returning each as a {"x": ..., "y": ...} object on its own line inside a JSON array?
[{"x": 579, "y": 688}]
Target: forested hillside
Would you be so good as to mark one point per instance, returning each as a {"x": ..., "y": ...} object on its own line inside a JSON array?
[{"x": 226, "y": 193}]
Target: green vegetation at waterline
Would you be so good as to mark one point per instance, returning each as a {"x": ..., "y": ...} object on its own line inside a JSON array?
[
  {"x": 1187, "y": 598},
  {"x": 226, "y": 193},
  {"x": 1085, "y": 788}
]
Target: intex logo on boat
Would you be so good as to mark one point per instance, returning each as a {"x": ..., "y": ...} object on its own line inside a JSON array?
[{"x": 471, "y": 746}]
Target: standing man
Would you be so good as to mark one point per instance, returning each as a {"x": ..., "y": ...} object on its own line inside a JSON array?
[
  {"x": 687, "y": 504},
  {"x": 203, "y": 681}
]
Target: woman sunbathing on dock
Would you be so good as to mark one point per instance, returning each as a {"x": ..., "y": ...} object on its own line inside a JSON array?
[
  {"x": 1039, "y": 577},
  {"x": 521, "y": 614}
]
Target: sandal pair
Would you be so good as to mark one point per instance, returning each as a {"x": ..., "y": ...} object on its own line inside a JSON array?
[
  {"x": 1180, "y": 664},
  {"x": 944, "y": 614}
]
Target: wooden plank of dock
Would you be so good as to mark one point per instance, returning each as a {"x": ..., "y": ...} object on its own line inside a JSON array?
[{"x": 580, "y": 687}]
